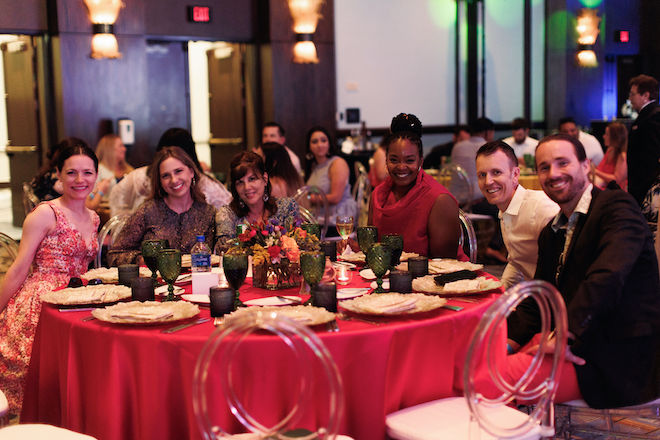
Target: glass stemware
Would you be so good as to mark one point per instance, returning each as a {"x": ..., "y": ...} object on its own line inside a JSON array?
[
  {"x": 169, "y": 266},
  {"x": 344, "y": 228},
  {"x": 367, "y": 235},
  {"x": 379, "y": 257},
  {"x": 235, "y": 266},
  {"x": 150, "y": 251},
  {"x": 312, "y": 267},
  {"x": 395, "y": 243}
]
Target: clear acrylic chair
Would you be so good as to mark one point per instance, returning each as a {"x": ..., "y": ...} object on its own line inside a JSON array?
[
  {"x": 222, "y": 365},
  {"x": 108, "y": 234},
  {"x": 458, "y": 183},
  {"x": 576, "y": 419},
  {"x": 468, "y": 238},
  {"x": 361, "y": 194},
  {"x": 476, "y": 416},
  {"x": 30, "y": 200},
  {"x": 8, "y": 253},
  {"x": 304, "y": 197}
]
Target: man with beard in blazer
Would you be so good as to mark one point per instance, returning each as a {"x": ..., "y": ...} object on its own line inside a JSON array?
[
  {"x": 598, "y": 252},
  {"x": 644, "y": 139}
]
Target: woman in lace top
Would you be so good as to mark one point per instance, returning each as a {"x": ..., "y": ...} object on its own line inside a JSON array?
[
  {"x": 252, "y": 202},
  {"x": 176, "y": 212}
]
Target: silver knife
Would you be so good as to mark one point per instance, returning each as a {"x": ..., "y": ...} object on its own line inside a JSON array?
[{"x": 176, "y": 328}]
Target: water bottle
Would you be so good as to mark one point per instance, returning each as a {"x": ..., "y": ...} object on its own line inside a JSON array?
[{"x": 200, "y": 256}]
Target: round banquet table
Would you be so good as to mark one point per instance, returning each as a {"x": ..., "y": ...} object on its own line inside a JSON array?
[{"x": 119, "y": 382}]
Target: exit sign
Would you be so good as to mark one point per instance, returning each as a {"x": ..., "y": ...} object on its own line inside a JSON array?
[
  {"x": 622, "y": 36},
  {"x": 199, "y": 14}
]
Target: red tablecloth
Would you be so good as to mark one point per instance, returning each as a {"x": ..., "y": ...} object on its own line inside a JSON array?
[{"x": 128, "y": 382}]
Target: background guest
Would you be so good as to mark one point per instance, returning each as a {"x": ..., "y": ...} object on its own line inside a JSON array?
[
  {"x": 274, "y": 132},
  {"x": 58, "y": 242},
  {"x": 592, "y": 147},
  {"x": 252, "y": 201},
  {"x": 464, "y": 152},
  {"x": 135, "y": 188},
  {"x": 176, "y": 211},
  {"x": 111, "y": 153},
  {"x": 326, "y": 170},
  {"x": 284, "y": 178},
  {"x": 412, "y": 203},
  {"x": 378, "y": 165},
  {"x": 520, "y": 141},
  {"x": 614, "y": 165},
  {"x": 433, "y": 160}
]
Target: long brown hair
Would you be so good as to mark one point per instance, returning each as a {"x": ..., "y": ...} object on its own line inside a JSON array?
[
  {"x": 239, "y": 167},
  {"x": 618, "y": 139},
  {"x": 158, "y": 192}
]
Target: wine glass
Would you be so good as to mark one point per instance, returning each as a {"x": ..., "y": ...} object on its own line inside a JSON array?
[
  {"x": 169, "y": 266},
  {"x": 378, "y": 259},
  {"x": 367, "y": 235},
  {"x": 395, "y": 243},
  {"x": 235, "y": 266},
  {"x": 344, "y": 228},
  {"x": 150, "y": 251},
  {"x": 312, "y": 267}
]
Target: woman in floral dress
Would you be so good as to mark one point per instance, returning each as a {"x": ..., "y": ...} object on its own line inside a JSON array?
[{"x": 59, "y": 241}]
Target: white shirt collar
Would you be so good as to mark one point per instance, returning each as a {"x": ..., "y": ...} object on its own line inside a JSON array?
[
  {"x": 582, "y": 207},
  {"x": 516, "y": 201}
]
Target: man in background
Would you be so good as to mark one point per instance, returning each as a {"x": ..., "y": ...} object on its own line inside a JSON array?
[
  {"x": 434, "y": 158},
  {"x": 644, "y": 138},
  {"x": 592, "y": 147},
  {"x": 520, "y": 141},
  {"x": 273, "y": 132},
  {"x": 465, "y": 152}
]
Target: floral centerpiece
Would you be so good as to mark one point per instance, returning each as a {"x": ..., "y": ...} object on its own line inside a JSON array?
[{"x": 275, "y": 250}]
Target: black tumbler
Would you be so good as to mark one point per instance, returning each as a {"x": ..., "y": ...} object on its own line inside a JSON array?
[
  {"x": 400, "y": 281},
  {"x": 418, "y": 266},
  {"x": 127, "y": 273},
  {"x": 329, "y": 248},
  {"x": 325, "y": 295},
  {"x": 142, "y": 289},
  {"x": 222, "y": 300}
]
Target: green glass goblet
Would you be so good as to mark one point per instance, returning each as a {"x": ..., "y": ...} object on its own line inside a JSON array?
[
  {"x": 235, "y": 266},
  {"x": 169, "y": 266},
  {"x": 379, "y": 257},
  {"x": 312, "y": 266},
  {"x": 367, "y": 236},
  {"x": 395, "y": 243},
  {"x": 312, "y": 228},
  {"x": 150, "y": 251}
]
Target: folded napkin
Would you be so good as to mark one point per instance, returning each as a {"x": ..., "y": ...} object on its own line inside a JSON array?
[
  {"x": 403, "y": 306},
  {"x": 350, "y": 255},
  {"x": 145, "y": 316}
]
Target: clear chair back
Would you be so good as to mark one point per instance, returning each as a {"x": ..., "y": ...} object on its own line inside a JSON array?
[
  {"x": 223, "y": 355},
  {"x": 313, "y": 199},
  {"x": 468, "y": 238},
  {"x": 30, "y": 200},
  {"x": 486, "y": 346},
  {"x": 361, "y": 194},
  {"x": 458, "y": 183},
  {"x": 108, "y": 234}
]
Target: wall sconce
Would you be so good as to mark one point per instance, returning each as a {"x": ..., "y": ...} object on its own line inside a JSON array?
[
  {"x": 103, "y": 14},
  {"x": 305, "y": 15},
  {"x": 587, "y": 28}
]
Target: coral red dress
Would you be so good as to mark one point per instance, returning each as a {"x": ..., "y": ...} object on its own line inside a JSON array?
[
  {"x": 408, "y": 216},
  {"x": 62, "y": 254}
]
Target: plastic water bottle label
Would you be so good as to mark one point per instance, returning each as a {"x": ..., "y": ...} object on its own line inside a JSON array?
[{"x": 200, "y": 262}]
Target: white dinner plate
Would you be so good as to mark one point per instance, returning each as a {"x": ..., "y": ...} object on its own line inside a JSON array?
[
  {"x": 344, "y": 263},
  {"x": 197, "y": 298},
  {"x": 184, "y": 279},
  {"x": 386, "y": 285},
  {"x": 162, "y": 290},
  {"x": 369, "y": 275},
  {"x": 274, "y": 301},
  {"x": 351, "y": 292}
]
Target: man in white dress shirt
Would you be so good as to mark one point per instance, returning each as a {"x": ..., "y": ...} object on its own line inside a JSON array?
[
  {"x": 273, "y": 132},
  {"x": 522, "y": 212},
  {"x": 591, "y": 145},
  {"x": 520, "y": 141}
]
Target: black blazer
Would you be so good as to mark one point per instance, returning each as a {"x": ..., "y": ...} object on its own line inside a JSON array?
[
  {"x": 644, "y": 152},
  {"x": 610, "y": 284}
]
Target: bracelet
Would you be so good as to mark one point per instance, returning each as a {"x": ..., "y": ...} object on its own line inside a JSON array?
[{"x": 92, "y": 195}]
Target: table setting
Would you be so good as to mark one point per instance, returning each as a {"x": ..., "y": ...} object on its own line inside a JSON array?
[{"x": 365, "y": 331}]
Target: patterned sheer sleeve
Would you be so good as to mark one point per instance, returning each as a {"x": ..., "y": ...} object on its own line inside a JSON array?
[
  {"x": 287, "y": 210},
  {"x": 225, "y": 224},
  {"x": 127, "y": 247},
  {"x": 215, "y": 192}
]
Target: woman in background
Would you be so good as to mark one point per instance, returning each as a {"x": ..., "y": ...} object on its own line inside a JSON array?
[
  {"x": 176, "y": 211},
  {"x": 284, "y": 179},
  {"x": 58, "y": 242},
  {"x": 329, "y": 172},
  {"x": 111, "y": 153},
  {"x": 412, "y": 203},
  {"x": 614, "y": 165}
]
